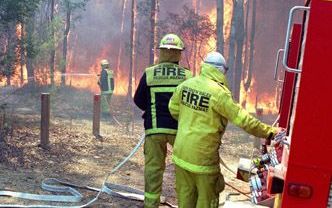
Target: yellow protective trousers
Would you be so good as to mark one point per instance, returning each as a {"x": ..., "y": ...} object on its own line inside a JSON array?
[
  {"x": 198, "y": 190},
  {"x": 155, "y": 151},
  {"x": 106, "y": 102}
]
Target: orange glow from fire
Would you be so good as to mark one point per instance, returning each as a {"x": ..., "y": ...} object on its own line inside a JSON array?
[
  {"x": 253, "y": 101},
  {"x": 17, "y": 74},
  {"x": 212, "y": 14},
  {"x": 228, "y": 12},
  {"x": 121, "y": 31},
  {"x": 120, "y": 78},
  {"x": 227, "y": 22},
  {"x": 87, "y": 81},
  {"x": 90, "y": 79},
  {"x": 213, "y": 18},
  {"x": 42, "y": 76}
]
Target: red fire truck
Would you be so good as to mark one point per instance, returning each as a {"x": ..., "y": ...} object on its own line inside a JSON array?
[{"x": 299, "y": 173}]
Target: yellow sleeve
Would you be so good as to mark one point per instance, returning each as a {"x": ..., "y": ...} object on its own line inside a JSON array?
[
  {"x": 241, "y": 118},
  {"x": 174, "y": 104},
  {"x": 189, "y": 74}
]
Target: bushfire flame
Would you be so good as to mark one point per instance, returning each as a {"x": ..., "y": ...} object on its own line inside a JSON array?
[
  {"x": 89, "y": 78},
  {"x": 255, "y": 102},
  {"x": 250, "y": 100}
]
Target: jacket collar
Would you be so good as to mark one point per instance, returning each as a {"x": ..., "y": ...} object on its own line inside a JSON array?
[
  {"x": 210, "y": 72},
  {"x": 168, "y": 62}
]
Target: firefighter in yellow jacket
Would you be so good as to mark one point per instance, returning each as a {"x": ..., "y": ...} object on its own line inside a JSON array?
[
  {"x": 203, "y": 105},
  {"x": 152, "y": 96},
  {"x": 106, "y": 84}
]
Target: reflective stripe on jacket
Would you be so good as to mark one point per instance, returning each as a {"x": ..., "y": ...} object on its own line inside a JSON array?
[
  {"x": 203, "y": 105},
  {"x": 153, "y": 93}
]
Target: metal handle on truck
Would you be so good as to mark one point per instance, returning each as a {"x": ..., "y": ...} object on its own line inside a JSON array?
[
  {"x": 290, "y": 23},
  {"x": 277, "y": 66}
]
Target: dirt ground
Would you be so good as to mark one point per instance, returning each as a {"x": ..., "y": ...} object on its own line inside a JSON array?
[{"x": 75, "y": 155}]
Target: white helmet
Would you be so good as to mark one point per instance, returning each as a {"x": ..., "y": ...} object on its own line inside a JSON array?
[{"x": 217, "y": 60}]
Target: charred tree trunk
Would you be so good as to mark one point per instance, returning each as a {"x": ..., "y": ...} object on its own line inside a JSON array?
[
  {"x": 52, "y": 53},
  {"x": 231, "y": 53},
  {"x": 246, "y": 41},
  {"x": 239, "y": 49},
  {"x": 22, "y": 53},
  {"x": 197, "y": 11},
  {"x": 30, "y": 70},
  {"x": 156, "y": 31},
  {"x": 136, "y": 70},
  {"x": 252, "y": 47},
  {"x": 236, "y": 48},
  {"x": 132, "y": 48},
  {"x": 194, "y": 69},
  {"x": 30, "y": 50},
  {"x": 187, "y": 57},
  {"x": 124, "y": 2},
  {"x": 153, "y": 15},
  {"x": 8, "y": 80},
  {"x": 10, "y": 53},
  {"x": 220, "y": 26},
  {"x": 65, "y": 44},
  {"x": 246, "y": 51}
]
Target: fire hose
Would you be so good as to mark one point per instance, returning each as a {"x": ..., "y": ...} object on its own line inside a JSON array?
[
  {"x": 60, "y": 186},
  {"x": 49, "y": 185},
  {"x": 228, "y": 184}
]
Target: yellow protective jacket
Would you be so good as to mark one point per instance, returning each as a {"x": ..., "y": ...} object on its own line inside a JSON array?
[
  {"x": 153, "y": 93},
  {"x": 203, "y": 105},
  {"x": 106, "y": 81}
]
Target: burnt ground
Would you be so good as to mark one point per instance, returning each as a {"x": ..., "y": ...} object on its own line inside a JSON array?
[{"x": 75, "y": 155}]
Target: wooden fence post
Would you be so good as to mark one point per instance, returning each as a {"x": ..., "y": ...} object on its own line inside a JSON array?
[
  {"x": 96, "y": 115},
  {"x": 45, "y": 120}
]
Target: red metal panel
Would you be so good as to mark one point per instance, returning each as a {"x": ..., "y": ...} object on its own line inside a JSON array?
[
  {"x": 318, "y": 180},
  {"x": 311, "y": 147},
  {"x": 289, "y": 80}
]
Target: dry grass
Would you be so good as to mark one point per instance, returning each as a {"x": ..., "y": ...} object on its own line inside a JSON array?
[{"x": 77, "y": 156}]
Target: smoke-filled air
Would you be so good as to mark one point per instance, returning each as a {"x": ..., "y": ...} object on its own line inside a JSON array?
[
  {"x": 89, "y": 87},
  {"x": 63, "y": 42}
]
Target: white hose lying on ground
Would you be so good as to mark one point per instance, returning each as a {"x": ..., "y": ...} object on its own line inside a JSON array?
[{"x": 48, "y": 185}]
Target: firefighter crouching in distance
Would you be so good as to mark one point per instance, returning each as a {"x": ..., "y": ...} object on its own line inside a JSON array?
[
  {"x": 106, "y": 84},
  {"x": 203, "y": 105},
  {"x": 152, "y": 96}
]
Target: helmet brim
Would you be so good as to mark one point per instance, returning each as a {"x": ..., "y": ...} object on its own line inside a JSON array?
[
  {"x": 221, "y": 68},
  {"x": 169, "y": 47}
]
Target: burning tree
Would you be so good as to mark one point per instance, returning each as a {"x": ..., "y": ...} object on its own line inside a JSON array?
[
  {"x": 153, "y": 30},
  {"x": 48, "y": 36},
  {"x": 194, "y": 29},
  {"x": 249, "y": 48},
  {"x": 147, "y": 11},
  {"x": 236, "y": 47},
  {"x": 69, "y": 7},
  {"x": 13, "y": 16},
  {"x": 31, "y": 36},
  {"x": 132, "y": 48},
  {"x": 40, "y": 36},
  {"x": 220, "y": 26}
]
